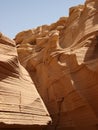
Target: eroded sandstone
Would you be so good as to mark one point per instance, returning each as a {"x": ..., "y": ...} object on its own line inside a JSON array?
[
  {"x": 62, "y": 60},
  {"x": 20, "y": 103}
]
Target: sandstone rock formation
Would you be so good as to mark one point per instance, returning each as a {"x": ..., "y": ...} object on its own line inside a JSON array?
[
  {"x": 20, "y": 103},
  {"x": 62, "y": 60}
]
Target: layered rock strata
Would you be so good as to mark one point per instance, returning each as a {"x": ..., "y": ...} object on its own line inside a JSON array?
[
  {"x": 20, "y": 103},
  {"x": 62, "y": 60}
]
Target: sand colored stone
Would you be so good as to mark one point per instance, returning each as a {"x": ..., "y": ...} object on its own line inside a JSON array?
[
  {"x": 62, "y": 61},
  {"x": 20, "y": 103}
]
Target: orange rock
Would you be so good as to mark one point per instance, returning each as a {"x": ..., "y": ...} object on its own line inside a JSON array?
[
  {"x": 62, "y": 60},
  {"x": 20, "y": 103}
]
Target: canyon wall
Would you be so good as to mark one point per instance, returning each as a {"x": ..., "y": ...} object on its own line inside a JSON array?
[
  {"x": 62, "y": 60},
  {"x": 20, "y": 104},
  {"x": 62, "y": 63}
]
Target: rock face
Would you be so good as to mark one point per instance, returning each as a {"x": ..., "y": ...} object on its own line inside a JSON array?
[
  {"x": 20, "y": 103},
  {"x": 62, "y": 60}
]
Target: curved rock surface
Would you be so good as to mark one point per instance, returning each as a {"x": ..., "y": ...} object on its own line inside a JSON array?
[
  {"x": 62, "y": 60},
  {"x": 20, "y": 103}
]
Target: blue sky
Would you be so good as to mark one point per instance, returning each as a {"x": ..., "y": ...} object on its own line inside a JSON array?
[{"x": 19, "y": 15}]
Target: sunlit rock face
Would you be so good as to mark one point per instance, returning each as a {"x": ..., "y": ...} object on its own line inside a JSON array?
[
  {"x": 62, "y": 60},
  {"x": 20, "y": 103}
]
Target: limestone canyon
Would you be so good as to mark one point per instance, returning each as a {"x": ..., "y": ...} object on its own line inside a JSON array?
[{"x": 49, "y": 74}]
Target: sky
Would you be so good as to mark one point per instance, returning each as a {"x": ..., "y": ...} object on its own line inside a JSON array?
[{"x": 20, "y": 15}]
